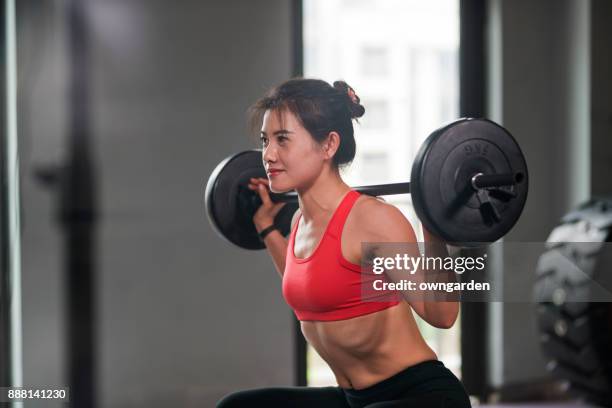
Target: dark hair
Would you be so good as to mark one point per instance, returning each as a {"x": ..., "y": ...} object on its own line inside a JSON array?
[{"x": 320, "y": 107}]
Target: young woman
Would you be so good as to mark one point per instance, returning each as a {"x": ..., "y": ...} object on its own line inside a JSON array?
[{"x": 375, "y": 349}]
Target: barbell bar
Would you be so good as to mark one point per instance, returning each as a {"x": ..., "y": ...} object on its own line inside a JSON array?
[{"x": 478, "y": 181}]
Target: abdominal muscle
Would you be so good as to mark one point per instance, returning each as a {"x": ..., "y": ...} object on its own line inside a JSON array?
[{"x": 365, "y": 350}]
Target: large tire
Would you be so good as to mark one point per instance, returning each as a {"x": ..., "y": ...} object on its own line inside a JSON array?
[{"x": 576, "y": 335}]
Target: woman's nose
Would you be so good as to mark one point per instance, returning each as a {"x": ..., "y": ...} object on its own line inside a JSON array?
[{"x": 269, "y": 154}]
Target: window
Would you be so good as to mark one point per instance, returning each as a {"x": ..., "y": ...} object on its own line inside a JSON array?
[
  {"x": 373, "y": 167},
  {"x": 374, "y": 62},
  {"x": 377, "y": 114},
  {"x": 400, "y": 56}
]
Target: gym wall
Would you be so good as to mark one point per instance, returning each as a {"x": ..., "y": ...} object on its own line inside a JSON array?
[{"x": 169, "y": 87}]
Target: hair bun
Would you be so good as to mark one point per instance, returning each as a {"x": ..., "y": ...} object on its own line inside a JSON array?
[{"x": 357, "y": 110}]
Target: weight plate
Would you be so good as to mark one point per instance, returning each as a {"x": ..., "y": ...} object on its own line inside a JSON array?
[
  {"x": 230, "y": 205},
  {"x": 441, "y": 188}
]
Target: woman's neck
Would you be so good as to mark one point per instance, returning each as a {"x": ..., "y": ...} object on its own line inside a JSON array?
[{"x": 322, "y": 197}]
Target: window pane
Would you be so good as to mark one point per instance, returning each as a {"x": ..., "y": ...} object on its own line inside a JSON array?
[
  {"x": 377, "y": 117},
  {"x": 374, "y": 61},
  {"x": 373, "y": 166},
  {"x": 400, "y": 56}
]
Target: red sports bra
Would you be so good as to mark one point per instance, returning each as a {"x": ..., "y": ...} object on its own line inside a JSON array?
[{"x": 325, "y": 286}]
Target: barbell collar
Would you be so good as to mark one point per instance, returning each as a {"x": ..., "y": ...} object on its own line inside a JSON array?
[{"x": 480, "y": 180}]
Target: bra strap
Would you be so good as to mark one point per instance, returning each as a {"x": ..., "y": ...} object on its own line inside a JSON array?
[{"x": 335, "y": 230}]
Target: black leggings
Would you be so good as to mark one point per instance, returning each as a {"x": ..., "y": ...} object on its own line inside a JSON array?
[{"x": 425, "y": 385}]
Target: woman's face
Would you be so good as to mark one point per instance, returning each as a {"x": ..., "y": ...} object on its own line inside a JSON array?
[{"x": 291, "y": 157}]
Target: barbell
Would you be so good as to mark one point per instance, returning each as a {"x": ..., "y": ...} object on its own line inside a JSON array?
[{"x": 468, "y": 184}]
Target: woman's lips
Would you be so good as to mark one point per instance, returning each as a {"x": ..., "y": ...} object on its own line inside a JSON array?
[{"x": 273, "y": 173}]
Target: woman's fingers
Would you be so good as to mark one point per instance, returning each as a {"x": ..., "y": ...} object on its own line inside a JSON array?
[
  {"x": 261, "y": 186},
  {"x": 276, "y": 208},
  {"x": 264, "y": 195},
  {"x": 254, "y": 182}
]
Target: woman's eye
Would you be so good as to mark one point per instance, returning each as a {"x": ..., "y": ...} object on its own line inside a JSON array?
[{"x": 263, "y": 140}]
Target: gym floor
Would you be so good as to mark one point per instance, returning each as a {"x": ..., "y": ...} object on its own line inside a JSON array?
[{"x": 542, "y": 405}]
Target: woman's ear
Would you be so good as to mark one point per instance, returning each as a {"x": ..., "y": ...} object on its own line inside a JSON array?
[{"x": 331, "y": 145}]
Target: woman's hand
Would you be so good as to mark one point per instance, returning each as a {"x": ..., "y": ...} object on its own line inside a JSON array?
[{"x": 264, "y": 216}]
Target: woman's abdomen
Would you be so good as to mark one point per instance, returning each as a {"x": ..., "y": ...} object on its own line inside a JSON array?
[{"x": 367, "y": 349}]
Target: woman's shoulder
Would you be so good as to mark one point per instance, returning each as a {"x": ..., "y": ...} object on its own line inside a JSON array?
[{"x": 377, "y": 220}]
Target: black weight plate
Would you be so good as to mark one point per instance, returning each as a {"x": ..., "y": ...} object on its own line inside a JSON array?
[
  {"x": 440, "y": 182},
  {"x": 230, "y": 205}
]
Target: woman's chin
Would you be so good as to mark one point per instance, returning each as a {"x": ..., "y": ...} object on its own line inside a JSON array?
[{"x": 280, "y": 187}]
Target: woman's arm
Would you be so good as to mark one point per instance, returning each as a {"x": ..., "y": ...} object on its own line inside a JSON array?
[
  {"x": 276, "y": 245},
  {"x": 385, "y": 223},
  {"x": 444, "y": 313}
]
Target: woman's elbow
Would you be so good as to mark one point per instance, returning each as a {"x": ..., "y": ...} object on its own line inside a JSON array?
[{"x": 447, "y": 320}]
